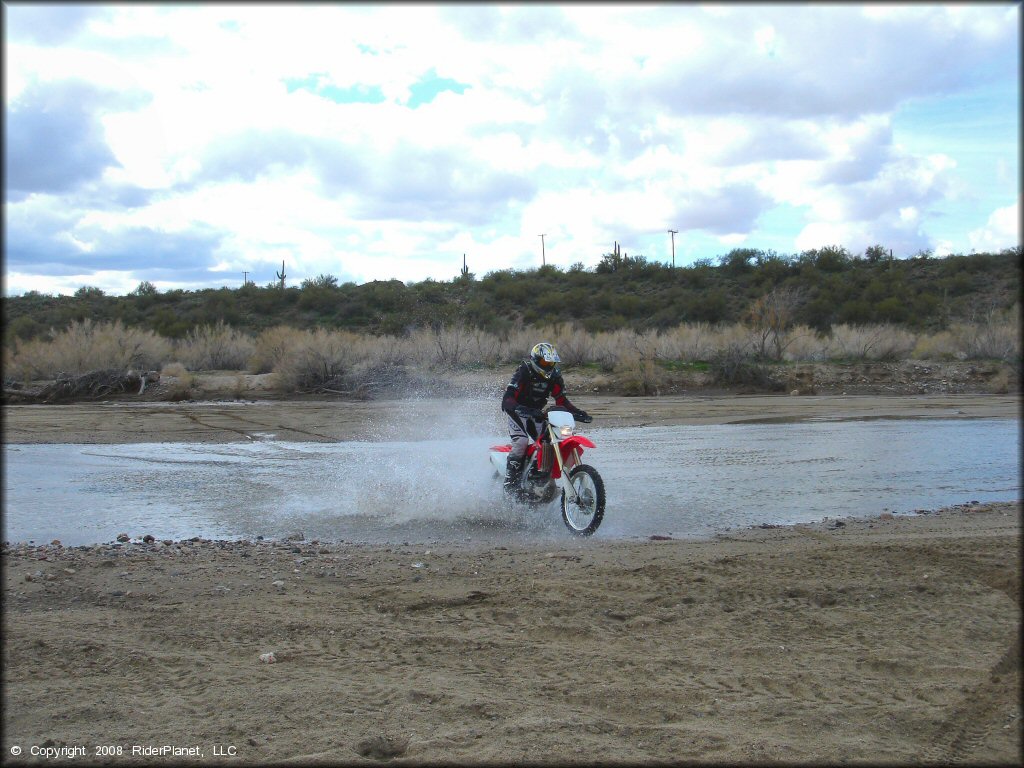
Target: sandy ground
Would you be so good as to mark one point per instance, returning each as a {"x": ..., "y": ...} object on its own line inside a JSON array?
[
  {"x": 885, "y": 640},
  {"x": 888, "y": 641}
]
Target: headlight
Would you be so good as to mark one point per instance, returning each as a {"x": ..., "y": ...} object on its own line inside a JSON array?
[{"x": 565, "y": 431}]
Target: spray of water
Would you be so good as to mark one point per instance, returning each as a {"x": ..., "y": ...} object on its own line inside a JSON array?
[{"x": 424, "y": 475}]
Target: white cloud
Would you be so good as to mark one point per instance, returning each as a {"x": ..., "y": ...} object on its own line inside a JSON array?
[
  {"x": 591, "y": 123},
  {"x": 1002, "y": 230}
]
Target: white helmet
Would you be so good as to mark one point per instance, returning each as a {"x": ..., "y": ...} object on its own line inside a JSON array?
[{"x": 543, "y": 358}]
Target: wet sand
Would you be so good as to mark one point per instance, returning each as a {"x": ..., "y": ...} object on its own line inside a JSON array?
[{"x": 884, "y": 640}]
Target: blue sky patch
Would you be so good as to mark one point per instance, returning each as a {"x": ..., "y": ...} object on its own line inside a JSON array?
[
  {"x": 429, "y": 86},
  {"x": 316, "y": 83}
]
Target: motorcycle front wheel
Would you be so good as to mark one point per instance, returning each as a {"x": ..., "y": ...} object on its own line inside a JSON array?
[{"x": 584, "y": 515}]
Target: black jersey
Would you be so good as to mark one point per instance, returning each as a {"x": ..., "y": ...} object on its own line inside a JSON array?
[{"x": 532, "y": 390}]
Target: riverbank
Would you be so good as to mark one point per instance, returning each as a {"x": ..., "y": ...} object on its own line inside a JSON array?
[
  {"x": 327, "y": 420},
  {"x": 886, "y": 640}
]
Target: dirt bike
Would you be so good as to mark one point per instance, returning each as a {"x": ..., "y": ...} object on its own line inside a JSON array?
[{"x": 549, "y": 469}]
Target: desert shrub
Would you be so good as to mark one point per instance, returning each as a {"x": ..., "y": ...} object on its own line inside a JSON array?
[
  {"x": 727, "y": 339},
  {"x": 320, "y": 359},
  {"x": 457, "y": 345},
  {"x": 941, "y": 345},
  {"x": 389, "y": 351},
  {"x": 87, "y": 346},
  {"x": 638, "y": 375},
  {"x": 215, "y": 347},
  {"x": 739, "y": 365},
  {"x": 574, "y": 344},
  {"x": 439, "y": 347},
  {"x": 271, "y": 347},
  {"x": 803, "y": 344},
  {"x": 175, "y": 370},
  {"x": 516, "y": 346},
  {"x": 178, "y": 380},
  {"x": 871, "y": 342},
  {"x": 608, "y": 348},
  {"x": 690, "y": 341},
  {"x": 625, "y": 345},
  {"x": 996, "y": 336}
]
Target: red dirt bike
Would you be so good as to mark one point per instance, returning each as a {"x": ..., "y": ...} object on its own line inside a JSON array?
[{"x": 553, "y": 462}]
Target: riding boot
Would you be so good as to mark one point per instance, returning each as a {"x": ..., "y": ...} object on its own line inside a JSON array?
[{"x": 513, "y": 471}]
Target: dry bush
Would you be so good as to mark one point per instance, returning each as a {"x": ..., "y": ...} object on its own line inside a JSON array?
[
  {"x": 609, "y": 347},
  {"x": 174, "y": 370},
  {"x": 871, "y": 342},
  {"x": 516, "y": 346},
  {"x": 769, "y": 317},
  {"x": 423, "y": 346},
  {"x": 740, "y": 365},
  {"x": 804, "y": 345},
  {"x": 271, "y": 347},
  {"x": 625, "y": 346},
  {"x": 731, "y": 340},
  {"x": 390, "y": 351},
  {"x": 22, "y": 361},
  {"x": 637, "y": 375},
  {"x": 178, "y": 380},
  {"x": 216, "y": 347},
  {"x": 457, "y": 345},
  {"x": 690, "y": 341},
  {"x": 319, "y": 360},
  {"x": 996, "y": 336},
  {"x": 936, "y": 346},
  {"x": 484, "y": 348},
  {"x": 574, "y": 344},
  {"x": 86, "y": 346}
]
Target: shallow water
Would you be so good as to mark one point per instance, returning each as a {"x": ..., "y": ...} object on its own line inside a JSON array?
[{"x": 683, "y": 481}]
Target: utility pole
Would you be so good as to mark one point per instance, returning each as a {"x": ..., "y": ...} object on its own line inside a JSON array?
[
  {"x": 245, "y": 278},
  {"x": 543, "y": 258},
  {"x": 673, "y": 233}
]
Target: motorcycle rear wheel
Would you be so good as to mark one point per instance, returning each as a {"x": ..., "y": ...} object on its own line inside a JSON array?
[{"x": 583, "y": 516}]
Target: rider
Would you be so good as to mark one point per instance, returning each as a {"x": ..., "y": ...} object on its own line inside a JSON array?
[{"x": 536, "y": 378}]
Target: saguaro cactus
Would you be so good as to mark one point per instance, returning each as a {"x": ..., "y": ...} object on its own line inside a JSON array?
[{"x": 281, "y": 275}]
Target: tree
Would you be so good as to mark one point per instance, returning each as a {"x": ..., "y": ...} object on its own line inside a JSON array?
[
  {"x": 876, "y": 253},
  {"x": 831, "y": 258},
  {"x": 610, "y": 262},
  {"x": 320, "y": 281},
  {"x": 738, "y": 260},
  {"x": 771, "y": 316},
  {"x": 145, "y": 288}
]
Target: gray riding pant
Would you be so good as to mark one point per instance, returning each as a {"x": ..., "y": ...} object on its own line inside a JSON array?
[{"x": 521, "y": 433}]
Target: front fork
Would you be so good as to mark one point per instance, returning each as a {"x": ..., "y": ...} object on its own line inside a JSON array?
[{"x": 563, "y": 477}]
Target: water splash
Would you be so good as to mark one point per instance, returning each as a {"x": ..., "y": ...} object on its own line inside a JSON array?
[{"x": 426, "y": 477}]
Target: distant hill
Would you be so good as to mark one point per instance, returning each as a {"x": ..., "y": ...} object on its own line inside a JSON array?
[{"x": 820, "y": 288}]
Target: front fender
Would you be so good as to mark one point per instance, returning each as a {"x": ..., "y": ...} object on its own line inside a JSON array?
[
  {"x": 567, "y": 446},
  {"x": 575, "y": 441}
]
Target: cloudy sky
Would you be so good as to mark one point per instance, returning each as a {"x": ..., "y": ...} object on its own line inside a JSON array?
[{"x": 188, "y": 144}]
